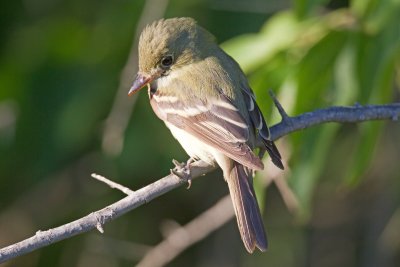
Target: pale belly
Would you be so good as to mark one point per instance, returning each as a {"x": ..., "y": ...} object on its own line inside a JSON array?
[{"x": 193, "y": 147}]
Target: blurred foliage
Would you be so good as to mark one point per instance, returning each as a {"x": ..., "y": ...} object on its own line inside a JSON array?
[
  {"x": 346, "y": 56},
  {"x": 60, "y": 65}
]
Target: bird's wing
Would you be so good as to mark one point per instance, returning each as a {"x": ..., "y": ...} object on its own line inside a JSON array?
[
  {"x": 217, "y": 123},
  {"x": 258, "y": 121}
]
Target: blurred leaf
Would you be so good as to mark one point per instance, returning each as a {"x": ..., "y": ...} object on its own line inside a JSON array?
[
  {"x": 259, "y": 188},
  {"x": 316, "y": 69},
  {"x": 376, "y": 14},
  {"x": 314, "y": 65},
  {"x": 253, "y": 50},
  {"x": 311, "y": 160},
  {"x": 363, "y": 153},
  {"x": 346, "y": 85},
  {"x": 305, "y": 7},
  {"x": 60, "y": 66}
]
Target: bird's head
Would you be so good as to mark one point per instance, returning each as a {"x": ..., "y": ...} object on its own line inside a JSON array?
[{"x": 167, "y": 45}]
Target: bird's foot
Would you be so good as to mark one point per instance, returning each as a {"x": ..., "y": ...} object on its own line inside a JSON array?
[{"x": 182, "y": 170}]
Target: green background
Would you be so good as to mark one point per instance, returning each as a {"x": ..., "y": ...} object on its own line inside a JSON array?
[{"x": 60, "y": 67}]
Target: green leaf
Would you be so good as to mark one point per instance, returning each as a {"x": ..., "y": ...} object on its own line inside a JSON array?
[
  {"x": 253, "y": 50},
  {"x": 310, "y": 161},
  {"x": 361, "y": 157},
  {"x": 315, "y": 71},
  {"x": 305, "y": 7},
  {"x": 259, "y": 188}
]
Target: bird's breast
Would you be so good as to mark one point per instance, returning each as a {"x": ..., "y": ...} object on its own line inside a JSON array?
[
  {"x": 192, "y": 145},
  {"x": 161, "y": 114}
]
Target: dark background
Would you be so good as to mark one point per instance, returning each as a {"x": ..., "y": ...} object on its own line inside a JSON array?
[{"x": 61, "y": 65}]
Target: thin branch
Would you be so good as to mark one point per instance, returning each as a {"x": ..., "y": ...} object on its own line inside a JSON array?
[
  {"x": 183, "y": 237},
  {"x": 117, "y": 120},
  {"x": 270, "y": 174},
  {"x": 112, "y": 184},
  {"x": 166, "y": 184},
  {"x": 278, "y": 105},
  {"x": 115, "y": 248},
  {"x": 288, "y": 196},
  {"x": 92, "y": 220},
  {"x": 353, "y": 114}
]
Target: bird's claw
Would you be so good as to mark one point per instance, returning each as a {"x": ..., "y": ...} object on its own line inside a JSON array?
[{"x": 182, "y": 170}]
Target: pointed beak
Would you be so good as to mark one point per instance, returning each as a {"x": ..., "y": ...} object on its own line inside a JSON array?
[{"x": 140, "y": 82}]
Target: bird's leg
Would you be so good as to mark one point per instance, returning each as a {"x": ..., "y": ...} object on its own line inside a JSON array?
[{"x": 182, "y": 170}]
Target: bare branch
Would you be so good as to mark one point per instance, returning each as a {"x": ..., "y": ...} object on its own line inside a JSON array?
[
  {"x": 166, "y": 184},
  {"x": 183, "y": 237},
  {"x": 112, "y": 184},
  {"x": 117, "y": 120},
  {"x": 353, "y": 114},
  {"x": 114, "y": 248},
  {"x": 91, "y": 221},
  {"x": 278, "y": 105}
]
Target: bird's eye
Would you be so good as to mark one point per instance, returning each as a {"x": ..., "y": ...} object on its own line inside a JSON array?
[{"x": 167, "y": 61}]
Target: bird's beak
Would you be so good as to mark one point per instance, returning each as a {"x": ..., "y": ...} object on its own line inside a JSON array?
[{"x": 141, "y": 81}]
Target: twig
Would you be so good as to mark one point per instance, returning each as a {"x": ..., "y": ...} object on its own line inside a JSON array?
[
  {"x": 339, "y": 114},
  {"x": 278, "y": 105},
  {"x": 117, "y": 120},
  {"x": 288, "y": 196},
  {"x": 166, "y": 184},
  {"x": 280, "y": 180},
  {"x": 91, "y": 221},
  {"x": 112, "y": 184},
  {"x": 111, "y": 247},
  {"x": 200, "y": 227},
  {"x": 183, "y": 237}
]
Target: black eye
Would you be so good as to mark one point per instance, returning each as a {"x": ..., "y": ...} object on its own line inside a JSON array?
[{"x": 167, "y": 61}]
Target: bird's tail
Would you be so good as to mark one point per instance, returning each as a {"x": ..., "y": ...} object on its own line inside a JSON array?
[
  {"x": 244, "y": 201},
  {"x": 273, "y": 153}
]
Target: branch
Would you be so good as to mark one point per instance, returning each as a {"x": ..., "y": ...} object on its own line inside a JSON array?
[
  {"x": 183, "y": 237},
  {"x": 117, "y": 120},
  {"x": 166, "y": 184},
  {"x": 92, "y": 220},
  {"x": 352, "y": 114},
  {"x": 112, "y": 184}
]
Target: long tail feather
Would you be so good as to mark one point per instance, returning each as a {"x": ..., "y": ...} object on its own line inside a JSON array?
[
  {"x": 248, "y": 215},
  {"x": 273, "y": 153}
]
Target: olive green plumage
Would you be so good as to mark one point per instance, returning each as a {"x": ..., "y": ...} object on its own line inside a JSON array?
[{"x": 204, "y": 98}]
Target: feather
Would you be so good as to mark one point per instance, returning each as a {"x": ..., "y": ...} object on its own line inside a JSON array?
[
  {"x": 216, "y": 123},
  {"x": 204, "y": 98},
  {"x": 259, "y": 124},
  {"x": 246, "y": 208}
]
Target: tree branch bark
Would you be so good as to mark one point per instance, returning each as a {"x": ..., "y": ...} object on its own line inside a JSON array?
[{"x": 144, "y": 195}]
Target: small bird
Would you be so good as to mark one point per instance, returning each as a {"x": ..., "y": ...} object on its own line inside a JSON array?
[{"x": 203, "y": 97}]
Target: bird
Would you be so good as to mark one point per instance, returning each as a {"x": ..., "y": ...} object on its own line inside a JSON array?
[{"x": 204, "y": 98}]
